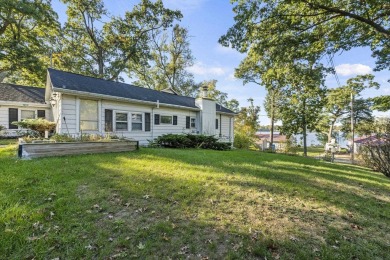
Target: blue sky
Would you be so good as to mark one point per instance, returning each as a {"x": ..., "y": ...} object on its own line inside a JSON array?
[{"x": 207, "y": 20}]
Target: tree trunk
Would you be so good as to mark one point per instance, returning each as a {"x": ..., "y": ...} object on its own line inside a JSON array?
[
  {"x": 304, "y": 129},
  {"x": 100, "y": 63},
  {"x": 272, "y": 120},
  {"x": 304, "y": 138}
]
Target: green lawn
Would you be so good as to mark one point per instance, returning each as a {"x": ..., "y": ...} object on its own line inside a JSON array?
[
  {"x": 163, "y": 203},
  {"x": 8, "y": 141}
]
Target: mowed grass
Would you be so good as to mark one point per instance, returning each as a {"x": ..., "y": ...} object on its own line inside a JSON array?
[{"x": 197, "y": 204}]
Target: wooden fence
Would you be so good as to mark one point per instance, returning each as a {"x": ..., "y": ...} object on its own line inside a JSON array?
[{"x": 34, "y": 150}]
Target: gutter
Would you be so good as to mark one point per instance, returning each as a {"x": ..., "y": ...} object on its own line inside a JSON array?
[
  {"x": 226, "y": 113},
  {"x": 88, "y": 94},
  {"x": 23, "y": 104}
]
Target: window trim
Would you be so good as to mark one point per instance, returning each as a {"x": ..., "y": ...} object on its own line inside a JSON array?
[
  {"x": 161, "y": 116},
  {"x": 35, "y": 114},
  {"x": 192, "y": 119},
  {"x": 128, "y": 121},
  {"x": 142, "y": 121},
  {"x": 97, "y": 115}
]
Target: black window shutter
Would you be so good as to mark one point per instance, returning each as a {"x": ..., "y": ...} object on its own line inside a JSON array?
[
  {"x": 12, "y": 116},
  {"x": 41, "y": 113},
  {"x": 174, "y": 120},
  {"x": 188, "y": 122},
  {"x": 147, "y": 122},
  {"x": 216, "y": 123},
  {"x": 108, "y": 120},
  {"x": 156, "y": 119}
]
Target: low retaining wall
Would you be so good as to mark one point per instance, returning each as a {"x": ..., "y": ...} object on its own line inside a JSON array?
[{"x": 35, "y": 150}]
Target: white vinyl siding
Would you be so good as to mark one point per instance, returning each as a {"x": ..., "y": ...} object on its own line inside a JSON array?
[
  {"x": 156, "y": 130},
  {"x": 68, "y": 116},
  {"x": 4, "y": 116}
]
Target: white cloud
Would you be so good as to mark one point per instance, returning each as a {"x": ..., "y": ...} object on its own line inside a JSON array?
[
  {"x": 201, "y": 69},
  {"x": 231, "y": 77},
  {"x": 184, "y": 6},
  {"x": 352, "y": 69}
]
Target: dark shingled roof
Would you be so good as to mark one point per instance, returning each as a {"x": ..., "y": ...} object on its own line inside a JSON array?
[
  {"x": 17, "y": 93},
  {"x": 76, "y": 82}
]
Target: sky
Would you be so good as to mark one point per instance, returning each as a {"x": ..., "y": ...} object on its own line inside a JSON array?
[{"x": 208, "y": 20}]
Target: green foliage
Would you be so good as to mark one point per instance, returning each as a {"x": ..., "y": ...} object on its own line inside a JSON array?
[
  {"x": 165, "y": 66},
  {"x": 381, "y": 103},
  {"x": 376, "y": 152},
  {"x": 27, "y": 30},
  {"x": 242, "y": 140},
  {"x": 189, "y": 141},
  {"x": 2, "y": 128},
  {"x": 106, "y": 49},
  {"x": 40, "y": 125},
  {"x": 337, "y": 104},
  {"x": 61, "y": 138},
  {"x": 246, "y": 123},
  {"x": 301, "y": 30}
]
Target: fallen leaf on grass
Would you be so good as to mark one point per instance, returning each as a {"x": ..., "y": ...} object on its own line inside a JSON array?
[
  {"x": 147, "y": 196},
  {"x": 353, "y": 226},
  {"x": 184, "y": 250},
  {"x": 141, "y": 246}
]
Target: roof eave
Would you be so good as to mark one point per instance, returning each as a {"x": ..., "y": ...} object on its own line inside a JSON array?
[
  {"x": 95, "y": 95},
  {"x": 23, "y": 104}
]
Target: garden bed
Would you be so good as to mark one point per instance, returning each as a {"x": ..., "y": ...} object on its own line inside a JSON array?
[{"x": 34, "y": 150}]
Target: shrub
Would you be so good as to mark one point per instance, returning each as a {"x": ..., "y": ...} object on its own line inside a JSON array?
[
  {"x": 242, "y": 141},
  {"x": 2, "y": 128},
  {"x": 40, "y": 125},
  {"x": 376, "y": 154},
  {"x": 189, "y": 141}
]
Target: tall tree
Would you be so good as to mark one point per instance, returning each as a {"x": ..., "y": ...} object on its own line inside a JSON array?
[
  {"x": 338, "y": 100},
  {"x": 362, "y": 116},
  {"x": 307, "y": 27},
  {"x": 27, "y": 28},
  {"x": 302, "y": 101},
  {"x": 170, "y": 55},
  {"x": 105, "y": 47}
]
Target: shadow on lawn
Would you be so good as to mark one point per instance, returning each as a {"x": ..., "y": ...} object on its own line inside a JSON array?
[{"x": 150, "y": 210}]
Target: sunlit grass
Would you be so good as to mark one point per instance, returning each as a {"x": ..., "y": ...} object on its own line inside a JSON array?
[{"x": 160, "y": 203}]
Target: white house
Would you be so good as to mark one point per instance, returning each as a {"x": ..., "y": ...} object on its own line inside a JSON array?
[
  {"x": 21, "y": 102},
  {"x": 81, "y": 104}
]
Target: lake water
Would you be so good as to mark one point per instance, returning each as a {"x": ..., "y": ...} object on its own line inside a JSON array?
[{"x": 311, "y": 139}]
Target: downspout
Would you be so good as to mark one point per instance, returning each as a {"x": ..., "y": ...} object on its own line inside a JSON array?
[
  {"x": 230, "y": 129},
  {"x": 220, "y": 125}
]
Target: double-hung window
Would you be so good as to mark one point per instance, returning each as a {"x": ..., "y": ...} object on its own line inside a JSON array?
[
  {"x": 193, "y": 122},
  {"x": 121, "y": 122},
  {"x": 167, "y": 120},
  {"x": 27, "y": 114},
  {"x": 136, "y": 122},
  {"x": 88, "y": 115}
]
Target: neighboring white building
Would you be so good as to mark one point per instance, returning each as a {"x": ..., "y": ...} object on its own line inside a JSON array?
[
  {"x": 81, "y": 104},
  {"x": 21, "y": 102}
]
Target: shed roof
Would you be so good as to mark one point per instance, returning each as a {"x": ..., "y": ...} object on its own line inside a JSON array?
[
  {"x": 17, "y": 93},
  {"x": 77, "y": 82}
]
